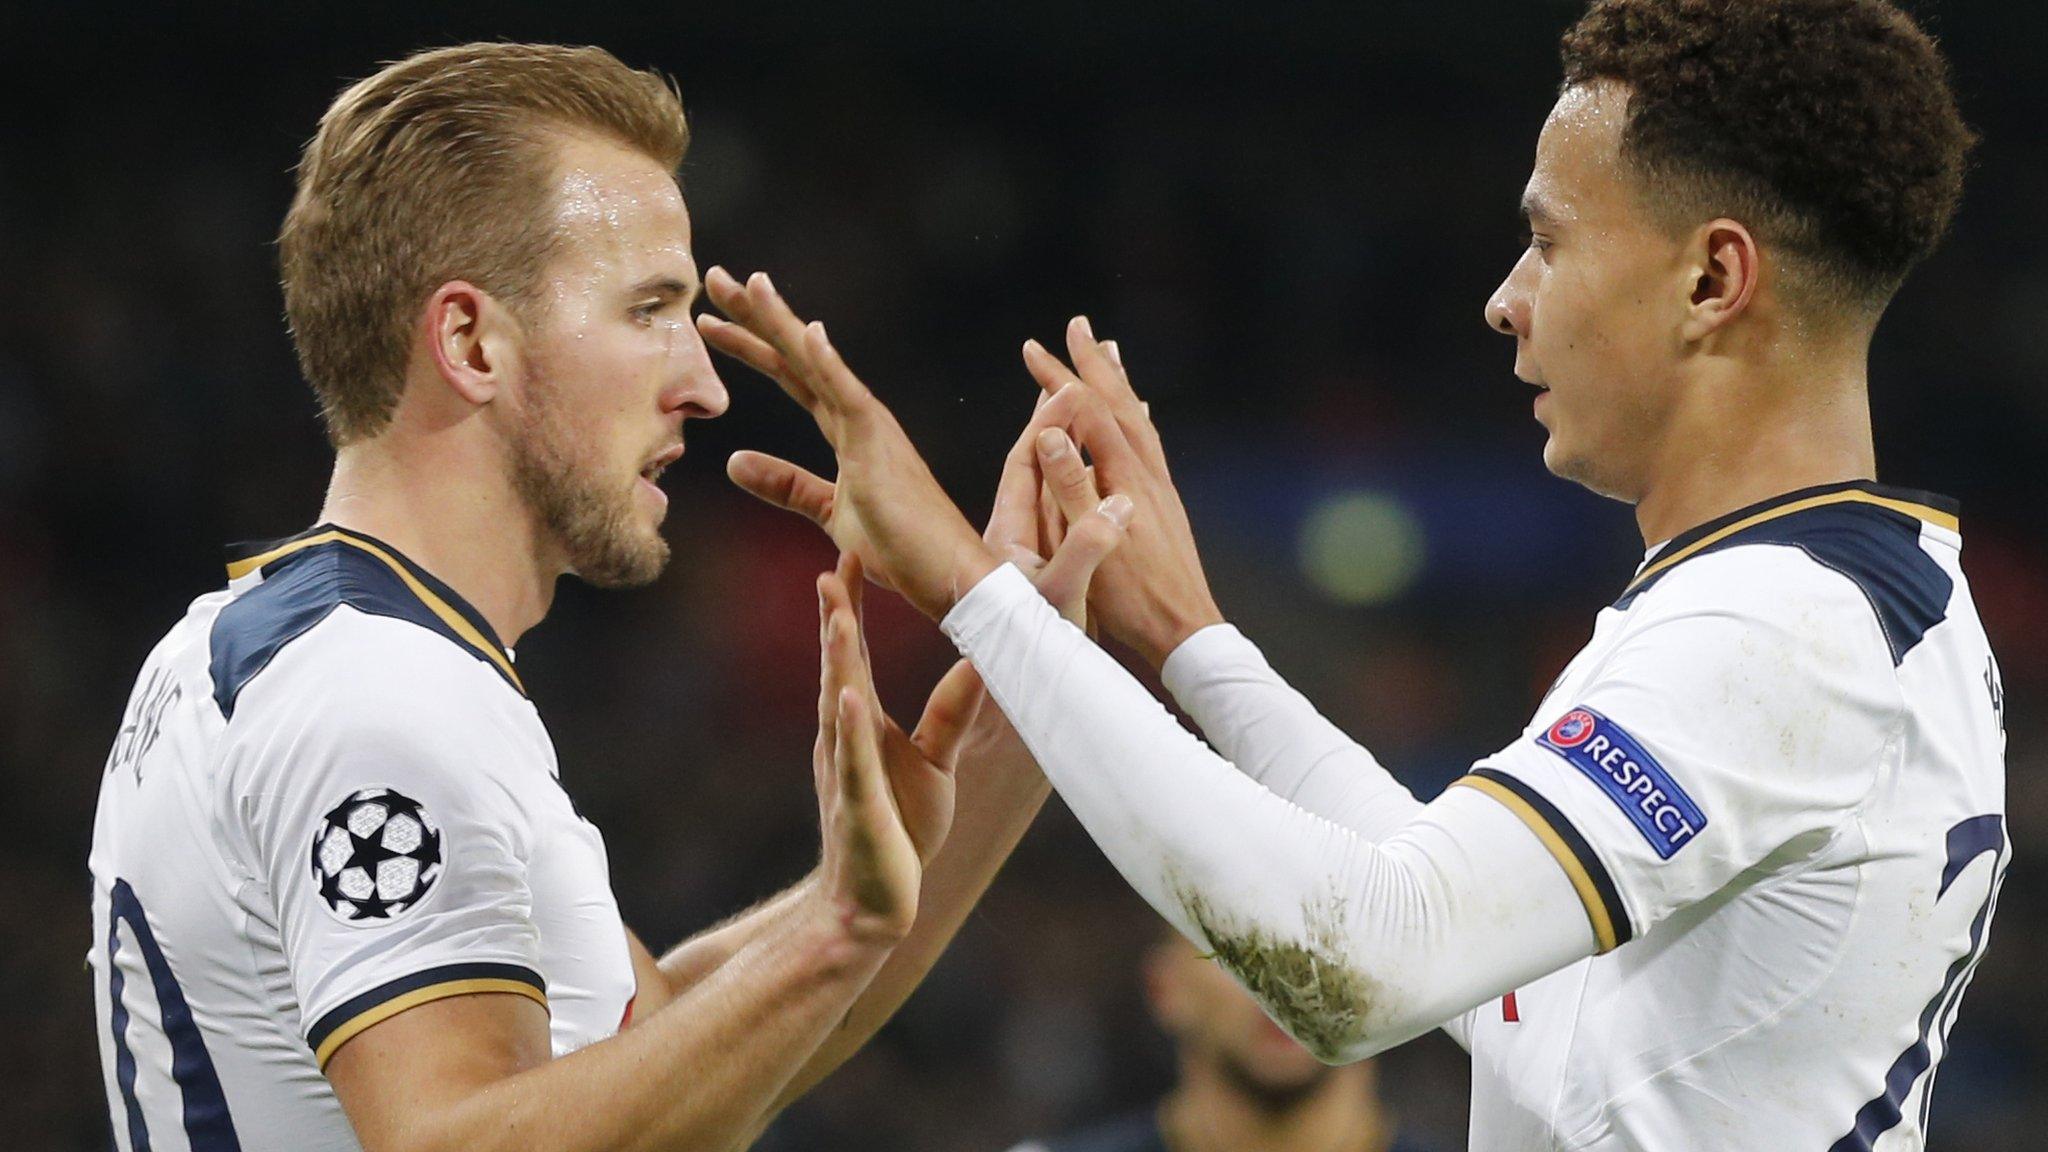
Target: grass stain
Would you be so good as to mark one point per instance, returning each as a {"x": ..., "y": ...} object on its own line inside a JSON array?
[{"x": 1318, "y": 998}]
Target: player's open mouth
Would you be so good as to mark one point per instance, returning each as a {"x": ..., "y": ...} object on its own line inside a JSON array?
[{"x": 655, "y": 467}]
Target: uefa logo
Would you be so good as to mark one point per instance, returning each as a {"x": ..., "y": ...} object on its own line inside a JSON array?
[{"x": 1572, "y": 730}]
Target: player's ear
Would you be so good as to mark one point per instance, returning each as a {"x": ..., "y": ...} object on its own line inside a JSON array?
[
  {"x": 1724, "y": 266},
  {"x": 472, "y": 339}
]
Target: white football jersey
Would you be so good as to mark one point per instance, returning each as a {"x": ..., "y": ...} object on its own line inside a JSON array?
[
  {"x": 330, "y": 801},
  {"x": 1776, "y": 778}
]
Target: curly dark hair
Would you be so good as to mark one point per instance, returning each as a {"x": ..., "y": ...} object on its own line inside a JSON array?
[{"x": 1827, "y": 126}]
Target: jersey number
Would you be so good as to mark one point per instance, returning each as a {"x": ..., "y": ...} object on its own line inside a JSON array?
[
  {"x": 208, "y": 1127},
  {"x": 1966, "y": 841}
]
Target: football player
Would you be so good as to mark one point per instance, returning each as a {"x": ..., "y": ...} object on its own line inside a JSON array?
[
  {"x": 1727, "y": 889},
  {"x": 340, "y": 899}
]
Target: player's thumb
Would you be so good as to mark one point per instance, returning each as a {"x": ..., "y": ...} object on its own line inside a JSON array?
[
  {"x": 782, "y": 484},
  {"x": 951, "y": 711},
  {"x": 1090, "y": 540}
]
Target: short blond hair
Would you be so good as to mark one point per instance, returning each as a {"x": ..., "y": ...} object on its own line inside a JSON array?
[{"x": 440, "y": 167}]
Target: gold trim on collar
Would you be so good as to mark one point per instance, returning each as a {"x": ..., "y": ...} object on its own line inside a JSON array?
[
  {"x": 1922, "y": 512},
  {"x": 240, "y": 568},
  {"x": 439, "y": 607}
]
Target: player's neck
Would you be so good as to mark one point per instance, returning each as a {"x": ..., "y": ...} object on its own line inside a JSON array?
[
  {"x": 1206, "y": 1113},
  {"x": 463, "y": 524},
  {"x": 1755, "y": 432}
]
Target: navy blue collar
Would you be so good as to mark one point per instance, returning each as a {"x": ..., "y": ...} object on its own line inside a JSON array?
[
  {"x": 1927, "y": 507},
  {"x": 457, "y": 616}
]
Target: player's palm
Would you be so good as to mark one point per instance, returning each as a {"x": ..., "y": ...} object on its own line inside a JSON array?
[
  {"x": 919, "y": 768},
  {"x": 873, "y": 865},
  {"x": 923, "y": 787}
]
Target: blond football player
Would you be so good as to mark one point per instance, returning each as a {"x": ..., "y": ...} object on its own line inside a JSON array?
[{"x": 340, "y": 899}]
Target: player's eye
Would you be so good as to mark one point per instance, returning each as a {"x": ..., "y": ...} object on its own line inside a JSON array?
[
  {"x": 1530, "y": 239},
  {"x": 645, "y": 312}
]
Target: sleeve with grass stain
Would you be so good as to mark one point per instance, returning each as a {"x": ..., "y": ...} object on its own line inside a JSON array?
[{"x": 1353, "y": 944}]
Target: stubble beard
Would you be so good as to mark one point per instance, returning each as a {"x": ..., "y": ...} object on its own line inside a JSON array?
[{"x": 600, "y": 531}]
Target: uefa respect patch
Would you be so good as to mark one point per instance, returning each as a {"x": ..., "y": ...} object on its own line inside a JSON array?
[{"x": 1630, "y": 776}]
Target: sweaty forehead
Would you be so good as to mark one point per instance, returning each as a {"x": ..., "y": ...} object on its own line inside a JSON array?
[
  {"x": 1578, "y": 156},
  {"x": 619, "y": 207}
]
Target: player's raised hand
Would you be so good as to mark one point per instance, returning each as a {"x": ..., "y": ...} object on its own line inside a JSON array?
[
  {"x": 954, "y": 717},
  {"x": 866, "y": 830},
  {"x": 873, "y": 867},
  {"x": 1152, "y": 594},
  {"x": 886, "y": 507},
  {"x": 1062, "y": 566},
  {"x": 920, "y": 766}
]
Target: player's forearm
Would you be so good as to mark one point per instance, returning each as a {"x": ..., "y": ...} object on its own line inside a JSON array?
[
  {"x": 998, "y": 798},
  {"x": 699, "y": 1074},
  {"x": 1351, "y": 944},
  {"x": 684, "y": 965},
  {"x": 1273, "y": 734}
]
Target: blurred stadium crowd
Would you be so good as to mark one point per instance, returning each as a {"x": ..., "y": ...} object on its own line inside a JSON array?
[{"x": 1289, "y": 215}]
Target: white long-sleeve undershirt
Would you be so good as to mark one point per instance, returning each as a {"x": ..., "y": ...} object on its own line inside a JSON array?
[
  {"x": 1354, "y": 938},
  {"x": 1271, "y": 732}
]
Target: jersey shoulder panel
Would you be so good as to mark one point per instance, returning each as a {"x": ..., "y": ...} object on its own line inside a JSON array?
[
  {"x": 360, "y": 689},
  {"x": 306, "y": 580},
  {"x": 1873, "y": 541}
]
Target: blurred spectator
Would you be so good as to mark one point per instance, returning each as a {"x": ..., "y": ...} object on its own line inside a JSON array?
[{"x": 1244, "y": 1085}]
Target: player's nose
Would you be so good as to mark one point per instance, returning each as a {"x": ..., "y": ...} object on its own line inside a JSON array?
[
  {"x": 696, "y": 390},
  {"x": 1506, "y": 310}
]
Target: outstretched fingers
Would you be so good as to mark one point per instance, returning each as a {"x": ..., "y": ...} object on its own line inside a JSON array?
[
  {"x": 854, "y": 788},
  {"x": 1050, "y": 371},
  {"x": 742, "y": 345},
  {"x": 813, "y": 372},
  {"x": 761, "y": 338},
  {"x": 1099, "y": 366},
  {"x": 1092, "y": 362},
  {"x": 1095, "y": 421},
  {"x": 852, "y": 577},
  {"x": 834, "y": 382},
  {"x": 831, "y": 665},
  {"x": 1013, "y": 527}
]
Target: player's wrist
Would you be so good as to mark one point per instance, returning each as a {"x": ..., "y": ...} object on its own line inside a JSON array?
[
  {"x": 840, "y": 937},
  {"x": 1165, "y": 636},
  {"x": 972, "y": 562}
]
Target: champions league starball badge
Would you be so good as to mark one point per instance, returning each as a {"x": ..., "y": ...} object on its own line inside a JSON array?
[{"x": 375, "y": 855}]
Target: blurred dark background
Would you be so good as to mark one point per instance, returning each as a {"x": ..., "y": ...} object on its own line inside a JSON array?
[{"x": 1288, "y": 214}]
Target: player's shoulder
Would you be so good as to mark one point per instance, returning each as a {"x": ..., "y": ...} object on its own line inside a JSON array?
[
  {"x": 340, "y": 621},
  {"x": 1813, "y": 562}
]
